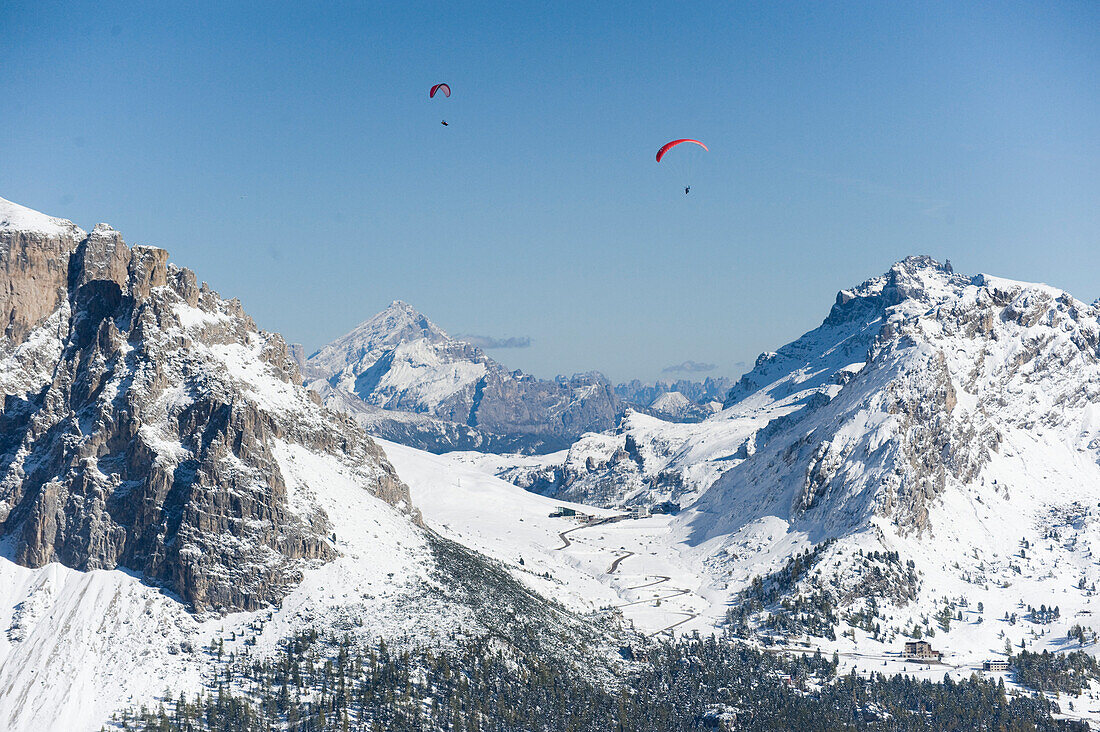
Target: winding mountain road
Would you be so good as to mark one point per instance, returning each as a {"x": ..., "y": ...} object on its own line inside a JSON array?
[
  {"x": 565, "y": 539},
  {"x": 688, "y": 616},
  {"x": 660, "y": 578},
  {"x": 676, "y": 592},
  {"x": 615, "y": 564}
]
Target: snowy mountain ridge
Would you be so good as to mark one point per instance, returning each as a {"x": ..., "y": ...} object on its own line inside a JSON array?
[
  {"x": 167, "y": 483},
  {"x": 400, "y": 361},
  {"x": 924, "y": 463},
  {"x": 355, "y": 352},
  {"x": 16, "y": 218}
]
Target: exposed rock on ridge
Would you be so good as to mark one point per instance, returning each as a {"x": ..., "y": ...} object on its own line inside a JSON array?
[
  {"x": 951, "y": 365},
  {"x": 140, "y": 416}
]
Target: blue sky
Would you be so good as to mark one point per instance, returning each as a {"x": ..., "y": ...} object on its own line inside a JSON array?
[{"x": 291, "y": 157}]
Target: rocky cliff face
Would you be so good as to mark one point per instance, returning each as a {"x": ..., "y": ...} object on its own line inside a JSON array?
[
  {"x": 942, "y": 368},
  {"x": 941, "y": 420},
  {"x": 918, "y": 386},
  {"x": 141, "y": 414},
  {"x": 400, "y": 361}
]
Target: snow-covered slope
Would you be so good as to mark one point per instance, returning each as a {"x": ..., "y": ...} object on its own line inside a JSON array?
[
  {"x": 613, "y": 563},
  {"x": 81, "y": 645},
  {"x": 936, "y": 439},
  {"x": 170, "y": 492},
  {"x": 400, "y": 361},
  {"x": 20, "y": 219}
]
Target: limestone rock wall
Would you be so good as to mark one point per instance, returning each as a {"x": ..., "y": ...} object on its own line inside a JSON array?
[{"x": 140, "y": 416}]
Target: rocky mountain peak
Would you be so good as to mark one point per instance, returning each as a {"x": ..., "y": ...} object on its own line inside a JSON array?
[
  {"x": 399, "y": 323},
  {"x": 920, "y": 279},
  {"x": 911, "y": 387},
  {"x": 145, "y": 421},
  {"x": 104, "y": 257},
  {"x": 400, "y": 318}
]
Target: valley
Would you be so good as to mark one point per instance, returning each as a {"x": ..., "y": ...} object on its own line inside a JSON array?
[{"x": 921, "y": 471}]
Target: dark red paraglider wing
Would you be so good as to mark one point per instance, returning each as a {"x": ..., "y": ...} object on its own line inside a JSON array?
[
  {"x": 669, "y": 145},
  {"x": 439, "y": 87}
]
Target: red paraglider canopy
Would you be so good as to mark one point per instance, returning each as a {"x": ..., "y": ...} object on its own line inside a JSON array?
[
  {"x": 437, "y": 88},
  {"x": 669, "y": 145}
]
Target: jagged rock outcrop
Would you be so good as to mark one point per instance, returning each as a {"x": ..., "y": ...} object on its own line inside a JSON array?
[
  {"x": 902, "y": 398},
  {"x": 401, "y": 362},
  {"x": 141, "y": 417},
  {"x": 33, "y": 269},
  {"x": 950, "y": 364}
]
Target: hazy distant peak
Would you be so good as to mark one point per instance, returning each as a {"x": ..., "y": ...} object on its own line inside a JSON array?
[{"x": 399, "y": 323}]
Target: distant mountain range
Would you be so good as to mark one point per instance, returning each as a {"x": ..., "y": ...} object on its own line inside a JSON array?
[
  {"x": 403, "y": 378},
  {"x": 710, "y": 390}
]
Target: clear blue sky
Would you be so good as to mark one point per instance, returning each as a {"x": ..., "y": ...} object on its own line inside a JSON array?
[{"x": 291, "y": 157}]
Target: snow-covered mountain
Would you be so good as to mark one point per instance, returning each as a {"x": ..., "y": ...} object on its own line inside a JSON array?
[
  {"x": 958, "y": 379},
  {"x": 932, "y": 418},
  {"x": 142, "y": 418},
  {"x": 343, "y": 360},
  {"x": 401, "y": 362},
  {"x": 955, "y": 375},
  {"x": 167, "y": 483}
]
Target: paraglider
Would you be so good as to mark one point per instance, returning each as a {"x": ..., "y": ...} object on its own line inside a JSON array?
[
  {"x": 683, "y": 163},
  {"x": 446, "y": 92},
  {"x": 669, "y": 145}
]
